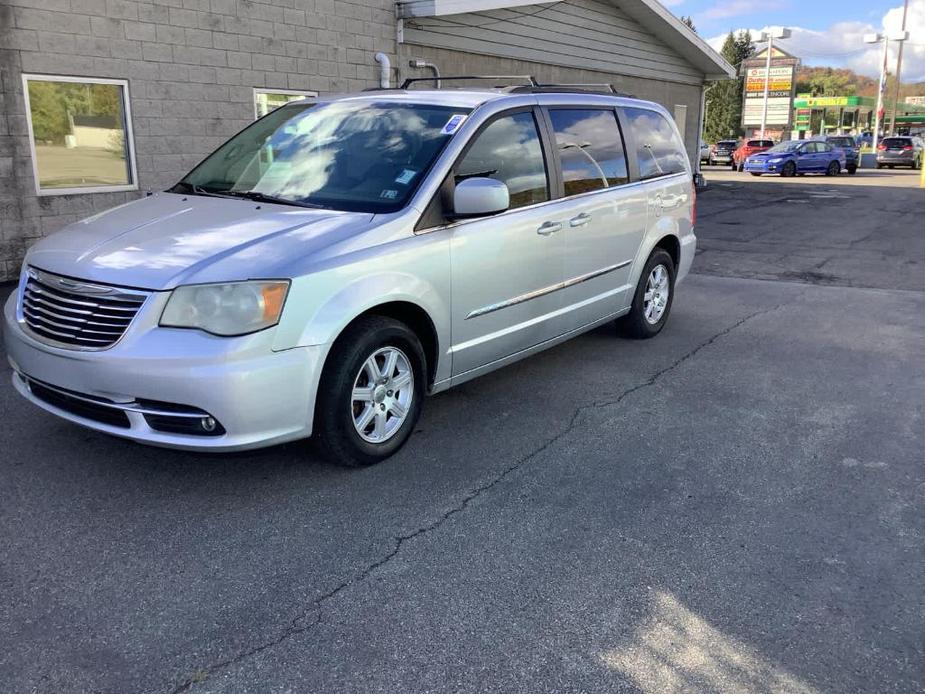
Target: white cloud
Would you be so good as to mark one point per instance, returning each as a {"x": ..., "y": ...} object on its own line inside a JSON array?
[{"x": 842, "y": 44}]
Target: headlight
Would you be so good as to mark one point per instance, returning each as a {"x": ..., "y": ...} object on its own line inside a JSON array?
[
  {"x": 775, "y": 160},
  {"x": 235, "y": 308}
]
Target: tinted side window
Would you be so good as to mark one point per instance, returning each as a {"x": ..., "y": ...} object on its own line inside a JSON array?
[
  {"x": 509, "y": 151},
  {"x": 658, "y": 149},
  {"x": 590, "y": 149}
]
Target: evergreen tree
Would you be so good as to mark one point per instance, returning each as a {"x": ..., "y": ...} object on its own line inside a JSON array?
[{"x": 724, "y": 99}]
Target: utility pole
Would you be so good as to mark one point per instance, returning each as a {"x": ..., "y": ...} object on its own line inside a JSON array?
[{"x": 899, "y": 67}]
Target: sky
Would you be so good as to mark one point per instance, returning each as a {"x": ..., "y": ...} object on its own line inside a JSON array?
[{"x": 825, "y": 32}]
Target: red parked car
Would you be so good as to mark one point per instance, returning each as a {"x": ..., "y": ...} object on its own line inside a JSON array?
[{"x": 748, "y": 148}]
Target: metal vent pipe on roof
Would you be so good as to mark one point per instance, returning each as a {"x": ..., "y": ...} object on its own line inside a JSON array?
[
  {"x": 423, "y": 64},
  {"x": 385, "y": 70}
]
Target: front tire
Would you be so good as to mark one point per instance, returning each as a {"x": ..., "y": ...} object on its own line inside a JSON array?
[
  {"x": 789, "y": 170},
  {"x": 371, "y": 392},
  {"x": 652, "y": 299}
]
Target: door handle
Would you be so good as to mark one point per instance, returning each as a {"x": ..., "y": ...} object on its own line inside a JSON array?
[
  {"x": 580, "y": 220},
  {"x": 548, "y": 228}
]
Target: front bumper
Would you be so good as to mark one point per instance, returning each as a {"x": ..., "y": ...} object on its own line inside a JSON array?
[
  {"x": 763, "y": 167},
  {"x": 258, "y": 397}
]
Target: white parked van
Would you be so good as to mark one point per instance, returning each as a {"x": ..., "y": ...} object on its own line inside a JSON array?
[{"x": 334, "y": 262}]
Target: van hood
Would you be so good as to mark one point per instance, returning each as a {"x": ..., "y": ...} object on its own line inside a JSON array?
[{"x": 166, "y": 239}]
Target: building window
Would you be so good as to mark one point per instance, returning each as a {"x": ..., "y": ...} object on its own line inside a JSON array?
[
  {"x": 266, "y": 100},
  {"x": 80, "y": 130}
]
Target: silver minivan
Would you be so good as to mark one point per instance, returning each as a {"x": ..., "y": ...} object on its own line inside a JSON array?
[{"x": 336, "y": 261}]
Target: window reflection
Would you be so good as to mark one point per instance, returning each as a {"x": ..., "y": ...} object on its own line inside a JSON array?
[
  {"x": 590, "y": 149},
  {"x": 660, "y": 151},
  {"x": 350, "y": 155},
  {"x": 509, "y": 151},
  {"x": 79, "y": 134}
]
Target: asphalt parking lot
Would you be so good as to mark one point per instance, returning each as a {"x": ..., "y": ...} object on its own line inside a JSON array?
[{"x": 733, "y": 506}]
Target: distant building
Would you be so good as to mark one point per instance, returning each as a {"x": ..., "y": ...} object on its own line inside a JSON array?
[{"x": 915, "y": 100}]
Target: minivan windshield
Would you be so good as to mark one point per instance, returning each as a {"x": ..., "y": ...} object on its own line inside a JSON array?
[
  {"x": 788, "y": 146},
  {"x": 353, "y": 155}
]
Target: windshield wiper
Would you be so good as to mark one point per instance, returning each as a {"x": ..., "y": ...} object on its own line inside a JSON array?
[
  {"x": 196, "y": 190},
  {"x": 263, "y": 197}
]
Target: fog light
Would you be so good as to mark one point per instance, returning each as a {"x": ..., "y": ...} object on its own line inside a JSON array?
[{"x": 208, "y": 423}]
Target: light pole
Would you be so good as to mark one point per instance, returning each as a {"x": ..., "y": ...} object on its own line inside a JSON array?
[
  {"x": 877, "y": 38},
  {"x": 769, "y": 36},
  {"x": 899, "y": 68}
]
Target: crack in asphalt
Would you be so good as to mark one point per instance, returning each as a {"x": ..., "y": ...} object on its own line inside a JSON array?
[{"x": 296, "y": 625}]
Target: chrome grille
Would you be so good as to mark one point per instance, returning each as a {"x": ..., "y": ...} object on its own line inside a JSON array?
[{"x": 76, "y": 314}]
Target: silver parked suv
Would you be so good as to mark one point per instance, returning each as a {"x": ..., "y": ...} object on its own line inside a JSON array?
[{"x": 335, "y": 261}]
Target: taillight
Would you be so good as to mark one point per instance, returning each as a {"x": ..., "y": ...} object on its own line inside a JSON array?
[
  {"x": 881, "y": 146},
  {"x": 907, "y": 148}
]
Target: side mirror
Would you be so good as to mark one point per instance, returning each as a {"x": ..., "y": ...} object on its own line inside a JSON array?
[{"x": 477, "y": 197}]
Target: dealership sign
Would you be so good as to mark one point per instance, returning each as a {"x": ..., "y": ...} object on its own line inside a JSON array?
[{"x": 780, "y": 84}]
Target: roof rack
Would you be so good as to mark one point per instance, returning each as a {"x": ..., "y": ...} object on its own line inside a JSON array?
[
  {"x": 530, "y": 79},
  {"x": 573, "y": 87}
]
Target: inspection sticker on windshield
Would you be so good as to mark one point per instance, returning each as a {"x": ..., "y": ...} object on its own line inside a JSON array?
[
  {"x": 389, "y": 194},
  {"x": 405, "y": 176},
  {"x": 452, "y": 125}
]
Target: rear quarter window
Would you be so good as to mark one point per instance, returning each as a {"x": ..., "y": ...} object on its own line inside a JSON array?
[{"x": 659, "y": 150}]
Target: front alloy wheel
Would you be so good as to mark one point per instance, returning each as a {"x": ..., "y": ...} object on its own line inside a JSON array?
[
  {"x": 371, "y": 392},
  {"x": 382, "y": 394}
]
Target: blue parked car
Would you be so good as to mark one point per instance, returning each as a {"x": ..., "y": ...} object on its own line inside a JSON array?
[{"x": 797, "y": 157}]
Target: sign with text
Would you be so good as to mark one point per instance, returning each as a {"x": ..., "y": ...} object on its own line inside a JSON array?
[{"x": 780, "y": 85}]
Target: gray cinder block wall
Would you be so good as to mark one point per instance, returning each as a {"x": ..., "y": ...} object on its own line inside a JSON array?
[{"x": 192, "y": 66}]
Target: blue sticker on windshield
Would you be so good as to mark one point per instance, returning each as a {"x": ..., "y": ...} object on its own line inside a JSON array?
[
  {"x": 452, "y": 125},
  {"x": 405, "y": 176},
  {"x": 389, "y": 194}
]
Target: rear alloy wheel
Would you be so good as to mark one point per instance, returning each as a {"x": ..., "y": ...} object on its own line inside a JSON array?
[
  {"x": 790, "y": 169},
  {"x": 371, "y": 390},
  {"x": 834, "y": 169},
  {"x": 652, "y": 299}
]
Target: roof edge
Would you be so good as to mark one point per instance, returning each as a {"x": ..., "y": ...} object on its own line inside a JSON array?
[{"x": 651, "y": 14}]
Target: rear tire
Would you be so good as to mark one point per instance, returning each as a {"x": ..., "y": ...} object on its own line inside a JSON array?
[
  {"x": 647, "y": 317},
  {"x": 789, "y": 170},
  {"x": 754, "y": 173},
  {"x": 879, "y": 166},
  {"x": 852, "y": 170},
  {"x": 834, "y": 169},
  {"x": 342, "y": 405}
]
